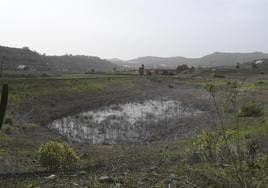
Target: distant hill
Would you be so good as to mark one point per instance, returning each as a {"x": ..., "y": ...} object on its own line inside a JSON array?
[
  {"x": 160, "y": 62},
  {"x": 229, "y": 59},
  {"x": 213, "y": 60},
  {"x": 122, "y": 63},
  {"x": 19, "y": 57},
  {"x": 116, "y": 60},
  {"x": 16, "y": 58}
]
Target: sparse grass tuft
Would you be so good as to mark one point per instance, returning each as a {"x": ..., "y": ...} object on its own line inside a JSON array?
[{"x": 251, "y": 110}]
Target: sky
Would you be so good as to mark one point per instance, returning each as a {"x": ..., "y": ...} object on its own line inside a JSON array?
[{"x": 128, "y": 29}]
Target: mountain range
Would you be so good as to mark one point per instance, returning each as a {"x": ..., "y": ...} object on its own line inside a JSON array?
[
  {"x": 13, "y": 58},
  {"x": 213, "y": 60}
]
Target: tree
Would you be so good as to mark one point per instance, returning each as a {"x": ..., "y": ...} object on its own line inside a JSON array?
[
  {"x": 141, "y": 70},
  {"x": 26, "y": 48},
  {"x": 181, "y": 68},
  {"x": 237, "y": 65}
]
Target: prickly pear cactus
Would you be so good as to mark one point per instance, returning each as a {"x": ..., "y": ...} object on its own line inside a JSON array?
[{"x": 3, "y": 104}]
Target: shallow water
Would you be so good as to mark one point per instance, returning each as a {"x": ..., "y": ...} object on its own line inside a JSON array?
[{"x": 129, "y": 122}]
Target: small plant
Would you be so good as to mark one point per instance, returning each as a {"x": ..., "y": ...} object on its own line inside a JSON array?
[
  {"x": 9, "y": 121},
  {"x": 251, "y": 110},
  {"x": 148, "y": 73},
  {"x": 57, "y": 156},
  {"x": 225, "y": 163},
  {"x": 218, "y": 75},
  {"x": 29, "y": 127},
  {"x": 208, "y": 145},
  {"x": 44, "y": 75},
  {"x": 7, "y": 130},
  {"x": 259, "y": 82}
]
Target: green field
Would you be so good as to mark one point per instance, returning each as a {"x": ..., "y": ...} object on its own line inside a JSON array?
[{"x": 156, "y": 164}]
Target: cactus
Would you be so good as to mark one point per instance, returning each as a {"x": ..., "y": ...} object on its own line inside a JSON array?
[{"x": 3, "y": 105}]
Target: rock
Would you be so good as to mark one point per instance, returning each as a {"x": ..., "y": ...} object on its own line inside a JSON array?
[
  {"x": 152, "y": 168},
  {"x": 51, "y": 177},
  {"x": 173, "y": 176},
  {"x": 118, "y": 185},
  {"x": 32, "y": 186},
  {"x": 106, "y": 179},
  {"x": 75, "y": 184},
  {"x": 82, "y": 172}
]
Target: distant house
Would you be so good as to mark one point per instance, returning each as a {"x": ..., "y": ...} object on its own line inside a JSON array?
[{"x": 22, "y": 67}]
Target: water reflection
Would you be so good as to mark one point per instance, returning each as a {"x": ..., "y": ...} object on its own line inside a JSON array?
[{"x": 130, "y": 122}]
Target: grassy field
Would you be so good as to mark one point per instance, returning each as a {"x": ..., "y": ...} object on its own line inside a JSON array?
[
  {"x": 156, "y": 164},
  {"x": 22, "y": 89}
]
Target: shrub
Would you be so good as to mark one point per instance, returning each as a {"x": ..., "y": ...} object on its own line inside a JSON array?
[
  {"x": 7, "y": 130},
  {"x": 44, "y": 75},
  {"x": 218, "y": 75},
  {"x": 251, "y": 110},
  {"x": 57, "y": 156},
  {"x": 181, "y": 68},
  {"x": 208, "y": 145},
  {"x": 8, "y": 121},
  {"x": 260, "y": 82},
  {"x": 149, "y": 73},
  {"x": 170, "y": 86},
  {"x": 29, "y": 127}
]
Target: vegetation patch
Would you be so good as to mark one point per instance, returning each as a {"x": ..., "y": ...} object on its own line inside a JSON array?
[
  {"x": 57, "y": 156},
  {"x": 21, "y": 90},
  {"x": 251, "y": 110}
]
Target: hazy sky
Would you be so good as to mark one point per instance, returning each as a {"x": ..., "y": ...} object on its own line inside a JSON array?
[{"x": 134, "y": 28}]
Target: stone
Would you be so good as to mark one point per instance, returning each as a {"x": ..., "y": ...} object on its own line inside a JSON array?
[
  {"x": 106, "y": 179},
  {"x": 51, "y": 177},
  {"x": 83, "y": 172},
  {"x": 75, "y": 184}
]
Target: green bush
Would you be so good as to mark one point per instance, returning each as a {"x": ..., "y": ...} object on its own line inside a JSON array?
[
  {"x": 57, "y": 156},
  {"x": 209, "y": 145},
  {"x": 251, "y": 110},
  {"x": 209, "y": 163}
]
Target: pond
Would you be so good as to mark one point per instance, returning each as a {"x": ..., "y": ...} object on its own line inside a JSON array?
[{"x": 124, "y": 123}]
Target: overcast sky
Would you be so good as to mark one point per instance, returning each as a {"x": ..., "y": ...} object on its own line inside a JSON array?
[{"x": 133, "y": 28}]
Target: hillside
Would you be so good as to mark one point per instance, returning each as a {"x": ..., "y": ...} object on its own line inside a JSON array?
[
  {"x": 160, "y": 62},
  {"x": 33, "y": 61},
  {"x": 229, "y": 59},
  {"x": 213, "y": 60}
]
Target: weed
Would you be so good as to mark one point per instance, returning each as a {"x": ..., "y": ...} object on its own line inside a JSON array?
[
  {"x": 225, "y": 163},
  {"x": 251, "y": 110}
]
